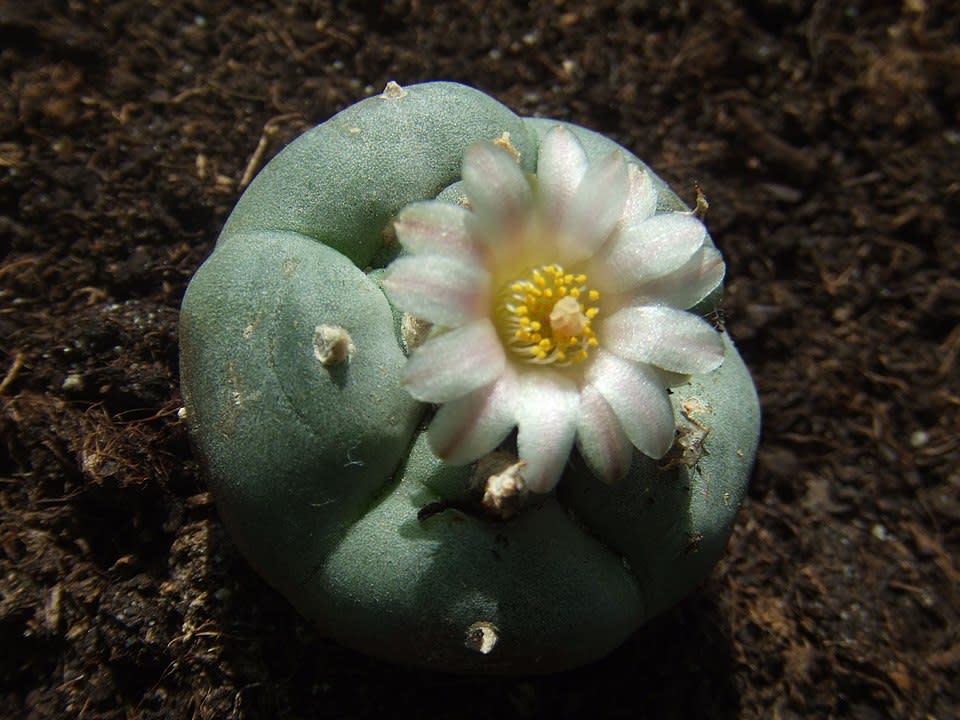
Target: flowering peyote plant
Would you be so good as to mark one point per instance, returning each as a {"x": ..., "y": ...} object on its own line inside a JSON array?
[{"x": 449, "y": 374}]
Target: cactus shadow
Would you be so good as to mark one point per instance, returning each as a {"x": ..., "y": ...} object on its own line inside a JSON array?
[{"x": 678, "y": 666}]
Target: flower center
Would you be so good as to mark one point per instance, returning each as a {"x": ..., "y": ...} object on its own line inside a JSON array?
[{"x": 546, "y": 317}]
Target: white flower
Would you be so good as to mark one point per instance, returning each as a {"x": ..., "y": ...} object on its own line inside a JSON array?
[{"x": 558, "y": 302}]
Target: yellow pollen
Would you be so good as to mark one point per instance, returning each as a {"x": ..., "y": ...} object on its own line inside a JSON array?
[{"x": 546, "y": 317}]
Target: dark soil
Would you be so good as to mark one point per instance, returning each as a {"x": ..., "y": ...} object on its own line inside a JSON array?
[{"x": 827, "y": 139}]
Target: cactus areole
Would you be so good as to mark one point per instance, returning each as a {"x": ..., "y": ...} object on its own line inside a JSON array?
[{"x": 450, "y": 375}]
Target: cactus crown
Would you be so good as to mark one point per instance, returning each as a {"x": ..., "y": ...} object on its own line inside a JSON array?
[{"x": 559, "y": 307}]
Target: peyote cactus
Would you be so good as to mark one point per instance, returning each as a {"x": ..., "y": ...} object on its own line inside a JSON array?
[{"x": 398, "y": 291}]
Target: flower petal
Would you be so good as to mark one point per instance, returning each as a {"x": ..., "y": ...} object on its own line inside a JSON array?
[
  {"x": 498, "y": 190},
  {"x": 436, "y": 228},
  {"x": 455, "y": 363},
  {"x": 446, "y": 291},
  {"x": 546, "y": 409},
  {"x": 639, "y": 399},
  {"x": 602, "y": 443},
  {"x": 561, "y": 164},
  {"x": 652, "y": 249},
  {"x": 641, "y": 197},
  {"x": 672, "y": 339},
  {"x": 472, "y": 426},
  {"x": 686, "y": 286},
  {"x": 595, "y": 208}
]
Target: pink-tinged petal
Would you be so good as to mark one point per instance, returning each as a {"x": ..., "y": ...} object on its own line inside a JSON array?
[
  {"x": 443, "y": 290},
  {"x": 602, "y": 443},
  {"x": 595, "y": 208},
  {"x": 546, "y": 410},
  {"x": 688, "y": 285},
  {"x": 472, "y": 426},
  {"x": 455, "y": 363},
  {"x": 672, "y": 339},
  {"x": 637, "y": 396},
  {"x": 436, "y": 228},
  {"x": 652, "y": 249},
  {"x": 641, "y": 198},
  {"x": 495, "y": 184},
  {"x": 561, "y": 164}
]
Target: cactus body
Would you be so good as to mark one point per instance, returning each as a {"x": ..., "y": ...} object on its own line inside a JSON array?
[{"x": 291, "y": 361}]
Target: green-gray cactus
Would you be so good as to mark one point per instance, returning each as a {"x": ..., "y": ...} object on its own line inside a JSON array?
[{"x": 300, "y": 394}]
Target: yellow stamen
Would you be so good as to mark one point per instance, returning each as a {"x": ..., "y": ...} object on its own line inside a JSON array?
[{"x": 546, "y": 317}]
